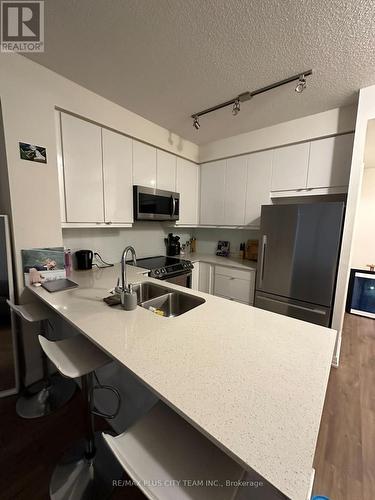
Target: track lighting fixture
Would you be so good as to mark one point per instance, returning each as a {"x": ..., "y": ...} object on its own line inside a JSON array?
[
  {"x": 196, "y": 123},
  {"x": 301, "y": 85},
  {"x": 246, "y": 96},
  {"x": 236, "y": 107}
]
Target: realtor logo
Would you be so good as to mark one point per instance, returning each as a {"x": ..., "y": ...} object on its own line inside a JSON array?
[{"x": 22, "y": 26}]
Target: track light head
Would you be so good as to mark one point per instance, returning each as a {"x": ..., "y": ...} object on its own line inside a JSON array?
[
  {"x": 236, "y": 107},
  {"x": 196, "y": 123},
  {"x": 301, "y": 85}
]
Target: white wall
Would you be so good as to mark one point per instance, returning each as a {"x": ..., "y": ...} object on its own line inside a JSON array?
[
  {"x": 29, "y": 94},
  {"x": 334, "y": 121},
  {"x": 146, "y": 237},
  {"x": 364, "y": 241}
]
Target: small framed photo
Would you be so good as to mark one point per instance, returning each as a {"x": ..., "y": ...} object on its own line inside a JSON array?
[
  {"x": 43, "y": 264},
  {"x": 223, "y": 248},
  {"x": 33, "y": 153}
]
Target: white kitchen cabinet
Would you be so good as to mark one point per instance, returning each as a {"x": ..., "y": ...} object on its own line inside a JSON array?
[
  {"x": 235, "y": 284},
  {"x": 195, "y": 276},
  {"x": 165, "y": 171},
  {"x": 235, "y": 191},
  {"x": 206, "y": 277},
  {"x": 83, "y": 174},
  {"x": 289, "y": 167},
  {"x": 144, "y": 164},
  {"x": 212, "y": 193},
  {"x": 117, "y": 174},
  {"x": 259, "y": 172},
  {"x": 187, "y": 184},
  {"x": 330, "y": 161}
]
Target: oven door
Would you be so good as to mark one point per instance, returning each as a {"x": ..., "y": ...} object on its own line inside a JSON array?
[
  {"x": 182, "y": 279},
  {"x": 155, "y": 204}
]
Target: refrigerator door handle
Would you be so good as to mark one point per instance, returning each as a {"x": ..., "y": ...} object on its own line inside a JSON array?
[
  {"x": 312, "y": 309},
  {"x": 264, "y": 246}
]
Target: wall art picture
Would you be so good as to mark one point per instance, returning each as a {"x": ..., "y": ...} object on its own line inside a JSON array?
[{"x": 33, "y": 153}]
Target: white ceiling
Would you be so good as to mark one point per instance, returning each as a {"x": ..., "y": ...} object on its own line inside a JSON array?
[{"x": 165, "y": 59}]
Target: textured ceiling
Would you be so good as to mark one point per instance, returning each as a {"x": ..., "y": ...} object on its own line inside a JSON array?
[{"x": 165, "y": 59}]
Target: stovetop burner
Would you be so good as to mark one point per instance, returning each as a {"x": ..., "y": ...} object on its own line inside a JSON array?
[{"x": 163, "y": 267}]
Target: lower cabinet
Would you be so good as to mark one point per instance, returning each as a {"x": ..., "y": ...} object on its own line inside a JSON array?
[
  {"x": 227, "y": 282},
  {"x": 234, "y": 284},
  {"x": 206, "y": 274},
  {"x": 195, "y": 276}
]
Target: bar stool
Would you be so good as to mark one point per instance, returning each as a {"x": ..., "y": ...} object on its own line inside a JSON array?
[
  {"x": 42, "y": 398},
  {"x": 162, "y": 452},
  {"x": 87, "y": 470}
]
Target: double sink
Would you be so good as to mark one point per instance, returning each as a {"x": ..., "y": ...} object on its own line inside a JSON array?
[{"x": 165, "y": 301}]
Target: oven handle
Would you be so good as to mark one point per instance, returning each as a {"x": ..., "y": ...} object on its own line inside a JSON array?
[{"x": 174, "y": 275}]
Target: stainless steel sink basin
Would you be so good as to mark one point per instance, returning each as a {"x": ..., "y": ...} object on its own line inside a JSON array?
[
  {"x": 173, "y": 303},
  {"x": 160, "y": 299},
  {"x": 147, "y": 290}
]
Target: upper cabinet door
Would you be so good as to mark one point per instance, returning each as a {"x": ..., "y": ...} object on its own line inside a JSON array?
[
  {"x": 235, "y": 191},
  {"x": 144, "y": 164},
  {"x": 187, "y": 184},
  {"x": 289, "y": 168},
  {"x": 166, "y": 171},
  {"x": 213, "y": 193},
  {"x": 330, "y": 161},
  {"x": 83, "y": 175},
  {"x": 118, "y": 181},
  {"x": 259, "y": 172}
]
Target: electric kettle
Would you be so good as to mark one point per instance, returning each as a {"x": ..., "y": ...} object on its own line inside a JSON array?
[{"x": 84, "y": 259}]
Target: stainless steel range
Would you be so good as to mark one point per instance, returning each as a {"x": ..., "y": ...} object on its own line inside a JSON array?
[{"x": 169, "y": 269}]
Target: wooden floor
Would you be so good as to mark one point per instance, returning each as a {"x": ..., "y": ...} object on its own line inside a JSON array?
[
  {"x": 345, "y": 456},
  {"x": 7, "y": 375},
  {"x": 29, "y": 449}
]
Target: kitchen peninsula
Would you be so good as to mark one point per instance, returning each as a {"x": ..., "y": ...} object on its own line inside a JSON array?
[{"x": 251, "y": 381}]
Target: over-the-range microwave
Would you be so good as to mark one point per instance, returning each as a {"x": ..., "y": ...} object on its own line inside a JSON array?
[{"x": 155, "y": 204}]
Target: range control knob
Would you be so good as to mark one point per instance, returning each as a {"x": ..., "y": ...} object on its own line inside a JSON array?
[
  {"x": 163, "y": 270},
  {"x": 157, "y": 272}
]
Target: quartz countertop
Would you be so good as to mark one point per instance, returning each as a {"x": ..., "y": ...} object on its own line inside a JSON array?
[
  {"x": 252, "y": 381},
  {"x": 235, "y": 262}
]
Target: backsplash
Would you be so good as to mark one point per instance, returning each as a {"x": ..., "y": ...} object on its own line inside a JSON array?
[
  {"x": 146, "y": 237},
  {"x": 207, "y": 238}
]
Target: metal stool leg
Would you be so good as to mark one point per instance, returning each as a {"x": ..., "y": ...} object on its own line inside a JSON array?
[
  {"x": 88, "y": 470},
  {"x": 54, "y": 392}
]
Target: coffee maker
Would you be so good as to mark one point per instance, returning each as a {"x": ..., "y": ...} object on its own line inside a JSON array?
[{"x": 173, "y": 245}]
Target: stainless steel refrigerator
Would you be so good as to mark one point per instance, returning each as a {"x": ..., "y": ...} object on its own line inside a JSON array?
[
  {"x": 299, "y": 255},
  {"x": 9, "y": 380}
]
